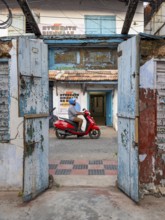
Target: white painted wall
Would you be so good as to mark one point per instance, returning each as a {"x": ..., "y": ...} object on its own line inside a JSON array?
[
  {"x": 157, "y": 22},
  {"x": 3, "y": 32},
  {"x": 83, "y": 99},
  {"x": 72, "y": 13},
  {"x": 147, "y": 75},
  {"x": 11, "y": 155},
  {"x": 63, "y": 111}
]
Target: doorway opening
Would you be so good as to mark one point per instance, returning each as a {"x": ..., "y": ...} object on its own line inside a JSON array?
[
  {"x": 97, "y": 108},
  {"x": 83, "y": 161},
  {"x": 100, "y": 106}
]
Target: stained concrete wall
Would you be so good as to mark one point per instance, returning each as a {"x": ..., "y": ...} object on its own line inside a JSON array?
[
  {"x": 11, "y": 153},
  {"x": 151, "y": 125}
]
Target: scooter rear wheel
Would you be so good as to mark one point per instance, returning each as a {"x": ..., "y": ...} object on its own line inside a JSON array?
[
  {"x": 94, "y": 134},
  {"x": 60, "y": 136}
]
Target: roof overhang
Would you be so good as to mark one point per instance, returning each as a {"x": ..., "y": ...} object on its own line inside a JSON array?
[
  {"x": 83, "y": 76},
  {"x": 115, "y": 82},
  {"x": 110, "y": 41}
]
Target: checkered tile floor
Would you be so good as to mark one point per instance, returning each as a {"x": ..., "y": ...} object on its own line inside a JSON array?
[{"x": 83, "y": 167}]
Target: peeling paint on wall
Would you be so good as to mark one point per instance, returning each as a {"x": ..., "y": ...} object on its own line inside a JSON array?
[
  {"x": 142, "y": 157},
  {"x": 151, "y": 49},
  {"x": 11, "y": 153},
  {"x": 33, "y": 84},
  {"x": 147, "y": 134},
  {"x": 124, "y": 138},
  {"x": 152, "y": 118},
  {"x": 36, "y": 156},
  {"x": 92, "y": 59},
  {"x": 34, "y": 107}
]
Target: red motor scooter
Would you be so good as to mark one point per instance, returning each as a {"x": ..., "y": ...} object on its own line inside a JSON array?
[{"x": 65, "y": 127}]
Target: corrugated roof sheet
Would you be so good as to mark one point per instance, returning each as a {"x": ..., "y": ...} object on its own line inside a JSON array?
[{"x": 83, "y": 75}]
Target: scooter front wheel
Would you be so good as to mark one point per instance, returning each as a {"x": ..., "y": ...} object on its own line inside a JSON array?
[
  {"x": 59, "y": 135},
  {"x": 94, "y": 134}
]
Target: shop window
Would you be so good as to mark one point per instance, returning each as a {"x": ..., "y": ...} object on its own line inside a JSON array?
[
  {"x": 81, "y": 59},
  {"x": 98, "y": 57},
  {"x": 66, "y": 57}
]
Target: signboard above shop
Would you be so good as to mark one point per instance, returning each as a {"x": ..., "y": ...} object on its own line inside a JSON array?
[{"x": 59, "y": 29}]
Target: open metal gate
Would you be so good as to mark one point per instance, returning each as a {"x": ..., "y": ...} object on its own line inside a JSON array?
[
  {"x": 128, "y": 90},
  {"x": 34, "y": 107}
]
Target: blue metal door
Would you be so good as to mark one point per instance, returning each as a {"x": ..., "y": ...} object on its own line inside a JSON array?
[
  {"x": 128, "y": 85},
  {"x": 34, "y": 107},
  {"x": 109, "y": 108}
]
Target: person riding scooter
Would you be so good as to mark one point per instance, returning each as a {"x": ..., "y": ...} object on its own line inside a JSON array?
[
  {"x": 72, "y": 113},
  {"x": 65, "y": 127}
]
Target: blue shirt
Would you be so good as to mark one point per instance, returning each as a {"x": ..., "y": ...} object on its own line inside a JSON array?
[{"x": 72, "y": 113}]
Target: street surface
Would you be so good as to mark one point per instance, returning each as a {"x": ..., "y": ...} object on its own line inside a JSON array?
[
  {"x": 104, "y": 148},
  {"x": 72, "y": 203},
  {"x": 94, "y": 155},
  {"x": 82, "y": 197}
]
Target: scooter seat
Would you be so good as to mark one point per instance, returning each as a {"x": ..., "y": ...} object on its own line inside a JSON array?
[{"x": 70, "y": 122}]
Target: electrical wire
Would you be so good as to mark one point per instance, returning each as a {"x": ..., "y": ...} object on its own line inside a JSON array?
[
  {"x": 94, "y": 21},
  {"x": 17, "y": 29},
  {"x": 120, "y": 17},
  {"x": 82, "y": 29},
  {"x": 8, "y": 22},
  {"x": 46, "y": 4},
  {"x": 73, "y": 18}
]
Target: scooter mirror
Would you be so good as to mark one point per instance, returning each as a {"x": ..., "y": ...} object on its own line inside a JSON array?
[{"x": 52, "y": 110}]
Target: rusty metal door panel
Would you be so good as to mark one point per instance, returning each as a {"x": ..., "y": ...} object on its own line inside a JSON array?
[
  {"x": 34, "y": 107},
  {"x": 128, "y": 85},
  {"x": 35, "y": 157}
]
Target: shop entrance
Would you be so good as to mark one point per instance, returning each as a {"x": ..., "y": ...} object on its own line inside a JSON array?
[
  {"x": 100, "y": 106},
  {"x": 97, "y": 108}
]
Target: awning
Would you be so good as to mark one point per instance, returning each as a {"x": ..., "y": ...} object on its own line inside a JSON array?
[{"x": 83, "y": 75}]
